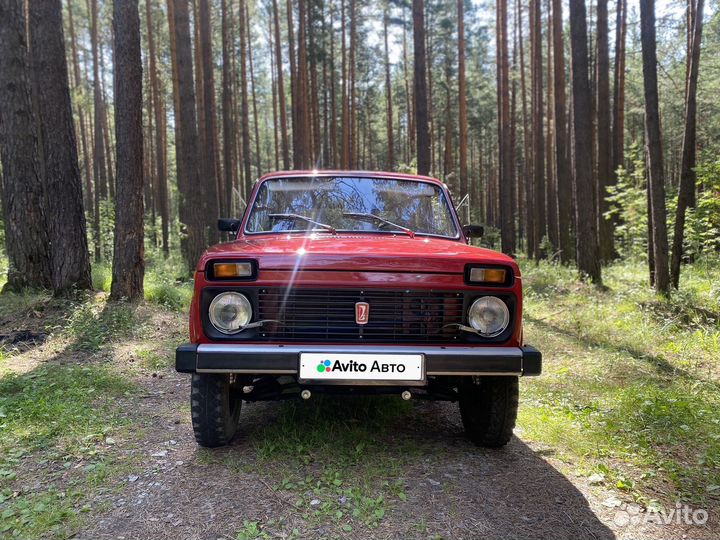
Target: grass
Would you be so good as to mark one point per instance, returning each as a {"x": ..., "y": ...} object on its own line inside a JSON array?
[
  {"x": 334, "y": 461},
  {"x": 64, "y": 414},
  {"x": 630, "y": 390},
  {"x": 165, "y": 284}
]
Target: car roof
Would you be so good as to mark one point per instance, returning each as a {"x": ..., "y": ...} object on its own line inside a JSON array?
[{"x": 356, "y": 174}]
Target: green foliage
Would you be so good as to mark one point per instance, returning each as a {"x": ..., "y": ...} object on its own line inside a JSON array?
[
  {"x": 101, "y": 276},
  {"x": 629, "y": 388},
  {"x": 628, "y": 207},
  {"x": 702, "y": 227},
  {"x": 166, "y": 283}
]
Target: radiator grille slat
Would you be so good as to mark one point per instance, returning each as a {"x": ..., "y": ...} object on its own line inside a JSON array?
[{"x": 395, "y": 316}]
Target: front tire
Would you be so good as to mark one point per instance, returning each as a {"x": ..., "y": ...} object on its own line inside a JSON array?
[
  {"x": 215, "y": 406},
  {"x": 488, "y": 408}
]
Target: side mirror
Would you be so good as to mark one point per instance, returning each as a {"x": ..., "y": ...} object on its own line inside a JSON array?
[
  {"x": 228, "y": 224},
  {"x": 473, "y": 231}
]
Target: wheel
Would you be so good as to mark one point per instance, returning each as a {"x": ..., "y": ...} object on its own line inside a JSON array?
[
  {"x": 488, "y": 408},
  {"x": 215, "y": 406}
]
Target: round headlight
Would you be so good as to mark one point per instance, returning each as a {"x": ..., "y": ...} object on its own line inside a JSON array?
[
  {"x": 229, "y": 312},
  {"x": 489, "y": 316}
]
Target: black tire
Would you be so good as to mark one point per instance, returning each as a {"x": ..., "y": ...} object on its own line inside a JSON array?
[
  {"x": 215, "y": 406},
  {"x": 488, "y": 407}
]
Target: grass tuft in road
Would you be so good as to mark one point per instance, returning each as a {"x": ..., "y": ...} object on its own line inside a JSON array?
[{"x": 335, "y": 459}]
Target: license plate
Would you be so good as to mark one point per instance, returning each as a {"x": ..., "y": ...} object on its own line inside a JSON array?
[{"x": 363, "y": 367}]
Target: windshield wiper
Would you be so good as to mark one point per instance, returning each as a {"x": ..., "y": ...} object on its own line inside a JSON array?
[
  {"x": 298, "y": 217},
  {"x": 373, "y": 218}
]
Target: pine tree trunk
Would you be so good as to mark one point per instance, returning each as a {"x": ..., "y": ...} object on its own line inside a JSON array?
[
  {"x": 345, "y": 121},
  {"x": 244, "y": 108},
  {"x": 653, "y": 142},
  {"x": 256, "y": 118},
  {"x": 618, "y": 133},
  {"x": 193, "y": 241},
  {"x": 209, "y": 125},
  {"x": 462, "y": 101},
  {"x": 602, "y": 109},
  {"x": 507, "y": 218},
  {"x": 296, "y": 133},
  {"x": 538, "y": 152},
  {"x": 587, "y": 248},
  {"x": 687, "y": 167},
  {"x": 128, "y": 254},
  {"x": 99, "y": 165},
  {"x": 26, "y": 236},
  {"x": 228, "y": 133},
  {"x": 527, "y": 143},
  {"x": 352, "y": 111},
  {"x": 88, "y": 200},
  {"x": 562, "y": 155},
  {"x": 281, "y": 90},
  {"x": 388, "y": 96},
  {"x": 65, "y": 218},
  {"x": 551, "y": 184},
  {"x": 162, "y": 202},
  {"x": 422, "y": 133}
]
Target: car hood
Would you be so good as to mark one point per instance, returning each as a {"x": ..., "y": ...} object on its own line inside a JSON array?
[{"x": 360, "y": 252}]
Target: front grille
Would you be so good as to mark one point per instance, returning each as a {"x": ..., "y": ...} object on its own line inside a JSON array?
[{"x": 329, "y": 315}]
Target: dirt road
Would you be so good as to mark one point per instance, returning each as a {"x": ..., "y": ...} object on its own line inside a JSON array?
[{"x": 443, "y": 487}]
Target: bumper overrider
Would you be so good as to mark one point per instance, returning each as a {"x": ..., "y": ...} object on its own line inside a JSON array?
[{"x": 267, "y": 359}]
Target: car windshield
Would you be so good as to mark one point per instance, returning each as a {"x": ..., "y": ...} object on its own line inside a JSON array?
[{"x": 342, "y": 203}]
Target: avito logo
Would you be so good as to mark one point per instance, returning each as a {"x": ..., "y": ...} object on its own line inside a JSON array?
[{"x": 352, "y": 366}]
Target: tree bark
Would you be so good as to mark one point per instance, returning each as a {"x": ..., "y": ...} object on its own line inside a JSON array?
[
  {"x": 345, "y": 121},
  {"x": 462, "y": 101},
  {"x": 65, "y": 218},
  {"x": 618, "y": 134},
  {"x": 128, "y": 254},
  {"x": 507, "y": 218},
  {"x": 160, "y": 123},
  {"x": 538, "y": 152},
  {"x": 602, "y": 110},
  {"x": 26, "y": 236},
  {"x": 527, "y": 150},
  {"x": 256, "y": 118},
  {"x": 388, "y": 95},
  {"x": 296, "y": 134},
  {"x": 228, "y": 133},
  {"x": 653, "y": 142},
  {"x": 562, "y": 156},
  {"x": 687, "y": 168},
  {"x": 88, "y": 204},
  {"x": 551, "y": 184},
  {"x": 281, "y": 90},
  {"x": 244, "y": 108},
  {"x": 209, "y": 125},
  {"x": 422, "y": 134},
  {"x": 193, "y": 239},
  {"x": 99, "y": 164},
  {"x": 587, "y": 249}
]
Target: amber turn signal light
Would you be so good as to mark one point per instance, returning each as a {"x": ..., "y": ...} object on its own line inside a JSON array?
[
  {"x": 232, "y": 270},
  {"x": 497, "y": 276}
]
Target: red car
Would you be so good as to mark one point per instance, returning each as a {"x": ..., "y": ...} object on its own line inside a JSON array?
[{"x": 355, "y": 282}]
